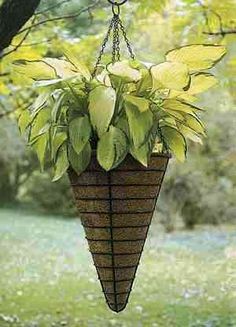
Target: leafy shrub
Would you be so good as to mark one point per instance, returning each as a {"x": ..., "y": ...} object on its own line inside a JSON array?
[{"x": 47, "y": 197}]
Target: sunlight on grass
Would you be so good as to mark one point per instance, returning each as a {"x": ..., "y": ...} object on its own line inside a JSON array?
[{"x": 48, "y": 279}]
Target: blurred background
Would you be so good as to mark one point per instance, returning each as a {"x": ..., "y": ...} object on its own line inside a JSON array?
[{"x": 188, "y": 272}]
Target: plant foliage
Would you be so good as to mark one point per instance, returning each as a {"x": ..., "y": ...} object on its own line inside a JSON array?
[{"x": 128, "y": 107}]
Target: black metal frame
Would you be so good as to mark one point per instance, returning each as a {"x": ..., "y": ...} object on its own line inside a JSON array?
[{"x": 117, "y": 305}]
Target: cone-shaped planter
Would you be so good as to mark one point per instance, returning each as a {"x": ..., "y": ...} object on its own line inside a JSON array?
[{"x": 116, "y": 211}]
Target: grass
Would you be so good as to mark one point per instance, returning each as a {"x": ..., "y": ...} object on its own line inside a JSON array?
[{"x": 47, "y": 277}]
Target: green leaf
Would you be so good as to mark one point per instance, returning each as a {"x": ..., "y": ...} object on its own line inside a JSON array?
[
  {"x": 24, "y": 120},
  {"x": 102, "y": 101},
  {"x": 140, "y": 124},
  {"x": 36, "y": 70},
  {"x": 123, "y": 124},
  {"x": 201, "y": 82},
  {"x": 197, "y": 56},
  {"x": 56, "y": 109},
  {"x": 175, "y": 142},
  {"x": 40, "y": 121},
  {"x": 57, "y": 83},
  {"x": 63, "y": 68},
  {"x": 72, "y": 57},
  {"x": 103, "y": 78},
  {"x": 79, "y": 131},
  {"x": 141, "y": 103},
  {"x": 62, "y": 163},
  {"x": 170, "y": 75},
  {"x": 40, "y": 146},
  {"x": 123, "y": 70},
  {"x": 146, "y": 83},
  {"x": 143, "y": 153},
  {"x": 189, "y": 134},
  {"x": 57, "y": 140},
  {"x": 193, "y": 122},
  {"x": 79, "y": 162},
  {"x": 182, "y": 96},
  {"x": 175, "y": 114},
  {"x": 180, "y": 106},
  {"x": 40, "y": 102},
  {"x": 112, "y": 148}
]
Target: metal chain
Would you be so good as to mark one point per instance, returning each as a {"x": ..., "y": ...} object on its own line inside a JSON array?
[
  {"x": 116, "y": 40},
  {"x": 132, "y": 55},
  {"x": 116, "y": 25},
  {"x": 104, "y": 44}
]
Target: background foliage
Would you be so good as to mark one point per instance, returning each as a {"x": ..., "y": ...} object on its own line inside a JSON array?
[{"x": 203, "y": 190}]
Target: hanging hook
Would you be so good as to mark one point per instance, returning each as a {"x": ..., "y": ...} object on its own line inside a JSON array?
[
  {"x": 116, "y": 3},
  {"x": 116, "y": 6}
]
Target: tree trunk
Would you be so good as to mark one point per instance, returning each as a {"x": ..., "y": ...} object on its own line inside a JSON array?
[{"x": 13, "y": 15}]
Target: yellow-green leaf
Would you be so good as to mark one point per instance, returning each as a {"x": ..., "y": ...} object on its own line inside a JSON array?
[
  {"x": 63, "y": 68},
  {"x": 40, "y": 121},
  {"x": 79, "y": 131},
  {"x": 72, "y": 57},
  {"x": 201, "y": 82},
  {"x": 102, "y": 101},
  {"x": 62, "y": 163},
  {"x": 140, "y": 124},
  {"x": 143, "y": 153},
  {"x": 175, "y": 142},
  {"x": 112, "y": 148},
  {"x": 141, "y": 103},
  {"x": 36, "y": 70},
  {"x": 79, "y": 162},
  {"x": 24, "y": 120},
  {"x": 182, "y": 96},
  {"x": 180, "y": 106},
  {"x": 170, "y": 75},
  {"x": 195, "y": 124},
  {"x": 57, "y": 141},
  {"x": 197, "y": 56},
  {"x": 189, "y": 134},
  {"x": 40, "y": 146},
  {"x": 146, "y": 83},
  {"x": 40, "y": 101},
  {"x": 104, "y": 78},
  {"x": 122, "y": 69}
]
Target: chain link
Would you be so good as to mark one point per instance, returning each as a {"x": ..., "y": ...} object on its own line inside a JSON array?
[
  {"x": 104, "y": 44},
  {"x": 116, "y": 25},
  {"x": 132, "y": 55},
  {"x": 116, "y": 40}
]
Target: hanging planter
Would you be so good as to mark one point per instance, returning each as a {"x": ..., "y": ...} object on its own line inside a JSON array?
[
  {"x": 113, "y": 131},
  {"x": 116, "y": 211}
]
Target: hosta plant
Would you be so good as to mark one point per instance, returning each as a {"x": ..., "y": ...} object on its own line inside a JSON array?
[{"x": 128, "y": 107}]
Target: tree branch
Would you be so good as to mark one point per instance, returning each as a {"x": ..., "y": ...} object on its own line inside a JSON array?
[
  {"x": 13, "y": 15},
  {"x": 46, "y": 10},
  {"x": 54, "y": 19},
  {"x": 222, "y": 32},
  {"x": 16, "y": 47}
]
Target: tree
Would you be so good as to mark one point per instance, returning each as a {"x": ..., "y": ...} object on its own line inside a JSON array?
[{"x": 13, "y": 15}]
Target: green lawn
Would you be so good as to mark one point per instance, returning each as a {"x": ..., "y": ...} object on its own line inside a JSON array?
[{"x": 47, "y": 277}]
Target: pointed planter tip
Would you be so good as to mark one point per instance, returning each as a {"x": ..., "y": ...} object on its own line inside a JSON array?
[{"x": 116, "y": 210}]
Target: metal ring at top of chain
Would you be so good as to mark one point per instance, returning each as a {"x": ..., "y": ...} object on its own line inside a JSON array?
[
  {"x": 116, "y": 13},
  {"x": 116, "y": 3}
]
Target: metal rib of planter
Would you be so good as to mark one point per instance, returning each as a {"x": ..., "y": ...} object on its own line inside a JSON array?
[{"x": 116, "y": 210}]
